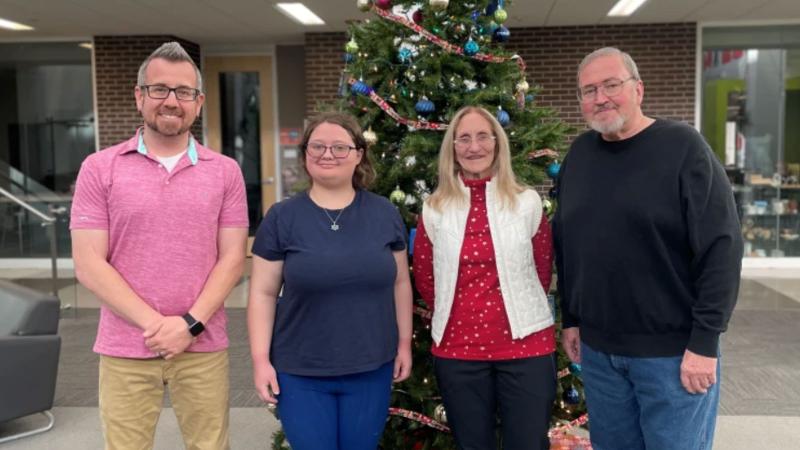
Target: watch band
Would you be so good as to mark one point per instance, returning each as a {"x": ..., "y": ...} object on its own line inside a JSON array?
[{"x": 195, "y": 326}]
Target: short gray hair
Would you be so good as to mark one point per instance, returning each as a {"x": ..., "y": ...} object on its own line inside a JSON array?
[
  {"x": 627, "y": 61},
  {"x": 173, "y": 52}
]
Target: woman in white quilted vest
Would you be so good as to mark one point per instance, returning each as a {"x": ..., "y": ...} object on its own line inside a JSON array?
[{"x": 482, "y": 263}]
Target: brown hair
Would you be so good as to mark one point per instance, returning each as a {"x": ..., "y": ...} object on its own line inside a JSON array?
[{"x": 364, "y": 174}]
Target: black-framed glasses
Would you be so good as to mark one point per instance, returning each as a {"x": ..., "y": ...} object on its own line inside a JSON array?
[
  {"x": 317, "y": 149},
  {"x": 160, "y": 92},
  {"x": 483, "y": 139},
  {"x": 609, "y": 88}
]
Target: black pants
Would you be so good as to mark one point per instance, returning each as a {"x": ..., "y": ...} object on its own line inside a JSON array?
[{"x": 520, "y": 391}]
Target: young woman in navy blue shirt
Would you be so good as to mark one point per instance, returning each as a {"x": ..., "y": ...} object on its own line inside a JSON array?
[{"x": 329, "y": 311}]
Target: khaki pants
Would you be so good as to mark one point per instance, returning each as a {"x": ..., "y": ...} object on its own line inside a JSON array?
[{"x": 132, "y": 393}]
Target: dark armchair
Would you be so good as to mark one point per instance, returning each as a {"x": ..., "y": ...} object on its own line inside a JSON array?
[{"x": 29, "y": 349}]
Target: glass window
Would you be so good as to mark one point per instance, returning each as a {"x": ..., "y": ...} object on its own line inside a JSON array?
[
  {"x": 46, "y": 130},
  {"x": 750, "y": 112}
]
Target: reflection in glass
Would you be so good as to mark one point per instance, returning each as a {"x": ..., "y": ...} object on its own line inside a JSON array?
[
  {"x": 751, "y": 112},
  {"x": 46, "y": 130},
  {"x": 241, "y": 133}
]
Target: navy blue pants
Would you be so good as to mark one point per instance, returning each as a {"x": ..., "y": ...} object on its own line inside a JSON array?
[
  {"x": 346, "y": 412},
  {"x": 520, "y": 391}
]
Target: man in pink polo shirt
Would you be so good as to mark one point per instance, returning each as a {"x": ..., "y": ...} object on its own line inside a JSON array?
[{"x": 159, "y": 225}]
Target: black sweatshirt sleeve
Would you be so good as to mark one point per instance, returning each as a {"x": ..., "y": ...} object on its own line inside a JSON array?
[
  {"x": 715, "y": 240},
  {"x": 567, "y": 320}
]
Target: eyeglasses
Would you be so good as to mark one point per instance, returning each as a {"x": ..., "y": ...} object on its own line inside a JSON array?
[
  {"x": 160, "y": 92},
  {"x": 609, "y": 88},
  {"x": 483, "y": 140},
  {"x": 340, "y": 151}
]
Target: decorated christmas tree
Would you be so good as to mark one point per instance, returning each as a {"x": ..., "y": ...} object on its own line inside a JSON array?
[{"x": 407, "y": 68}]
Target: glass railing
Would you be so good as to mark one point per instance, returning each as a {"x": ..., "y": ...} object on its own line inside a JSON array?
[
  {"x": 20, "y": 234},
  {"x": 34, "y": 233}
]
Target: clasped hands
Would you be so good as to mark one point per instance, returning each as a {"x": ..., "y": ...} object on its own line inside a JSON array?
[{"x": 168, "y": 337}]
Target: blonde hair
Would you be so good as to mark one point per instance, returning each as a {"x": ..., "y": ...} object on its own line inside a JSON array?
[{"x": 448, "y": 189}]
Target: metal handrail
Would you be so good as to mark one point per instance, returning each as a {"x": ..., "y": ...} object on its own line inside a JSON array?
[
  {"x": 50, "y": 223},
  {"x": 27, "y": 206}
]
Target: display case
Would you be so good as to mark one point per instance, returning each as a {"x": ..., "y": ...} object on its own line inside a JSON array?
[{"x": 769, "y": 214}]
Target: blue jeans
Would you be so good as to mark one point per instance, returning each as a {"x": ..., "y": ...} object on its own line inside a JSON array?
[
  {"x": 335, "y": 413},
  {"x": 639, "y": 403}
]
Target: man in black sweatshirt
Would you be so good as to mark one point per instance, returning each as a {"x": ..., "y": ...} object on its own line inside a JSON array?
[{"x": 648, "y": 252}]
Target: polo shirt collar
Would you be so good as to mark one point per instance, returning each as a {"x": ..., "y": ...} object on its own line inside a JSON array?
[{"x": 191, "y": 151}]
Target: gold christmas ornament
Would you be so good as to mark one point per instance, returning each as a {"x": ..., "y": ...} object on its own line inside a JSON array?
[
  {"x": 439, "y": 5},
  {"x": 370, "y": 136},
  {"x": 351, "y": 46},
  {"x": 364, "y": 5},
  {"x": 523, "y": 86},
  {"x": 397, "y": 196},
  {"x": 547, "y": 206},
  {"x": 500, "y": 15},
  {"x": 439, "y": 414}
]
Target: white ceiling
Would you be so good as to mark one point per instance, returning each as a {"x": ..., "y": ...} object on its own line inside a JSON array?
[{"x": 257, "y": 22}]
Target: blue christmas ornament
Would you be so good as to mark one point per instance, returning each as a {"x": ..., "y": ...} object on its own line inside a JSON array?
[
  {"x": 359, "y": 87},
  {"x": 571, "y": 396},
  {"x": 553, "y": 168},
  {"x": 404, "y": 55},
  {"x": 529, "y": 98},
  {"x": 471, "y": 47},
  {"x": 503, "y": 117},
  {"x": 475, "y": 15},
  {"x": 349, "y": 57},
  {"x": 575, "y": 368},
  {"x": 424, "y": 106},
  {"x": 501, "y": 34},
  {"x": 491, "y": 8}
]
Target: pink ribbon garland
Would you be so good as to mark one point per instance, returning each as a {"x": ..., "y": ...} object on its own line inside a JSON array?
[
  {"x": 427, "y": 421},
  {"x": 421, "y": 418},
  {"x": 422, "y": 312},
  {"x": 568, "y": 426},
  {"x": 444, "y": 44},
  {"x": 384, "y": 105}
]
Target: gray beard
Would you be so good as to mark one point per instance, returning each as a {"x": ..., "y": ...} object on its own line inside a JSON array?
[{"x": 608, "y": 127}]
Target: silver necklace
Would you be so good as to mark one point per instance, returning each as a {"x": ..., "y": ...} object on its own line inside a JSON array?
[{"x": 334, "y": 225}]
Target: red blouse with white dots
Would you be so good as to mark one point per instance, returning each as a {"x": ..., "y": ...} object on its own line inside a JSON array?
[{"x": 478, "y": 327}]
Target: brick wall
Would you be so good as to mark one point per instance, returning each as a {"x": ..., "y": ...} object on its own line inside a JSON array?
[
  {"x": 117, "y": 61},
  {"x": 665, "y": 54},
  {"x": 324, "y": 63}
]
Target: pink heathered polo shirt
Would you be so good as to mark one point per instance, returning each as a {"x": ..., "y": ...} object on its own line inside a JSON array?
[{"x": 162, "y": 229}]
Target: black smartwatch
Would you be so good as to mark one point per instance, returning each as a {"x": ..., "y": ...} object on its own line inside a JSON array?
[{"x": 195, "y": 326}]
